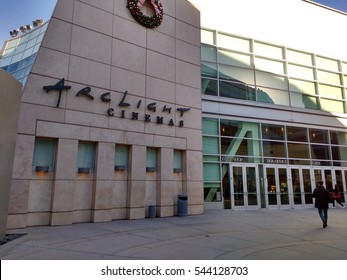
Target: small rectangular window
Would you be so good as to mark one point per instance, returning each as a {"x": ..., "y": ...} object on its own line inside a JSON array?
[
  {"x": 86, "y": 157},
  {"x": 44, "y": 154},
  {"x": 121, "y": 158},
  {"x": 177, "y": 161},
  {"x": 151, "y": 160}
]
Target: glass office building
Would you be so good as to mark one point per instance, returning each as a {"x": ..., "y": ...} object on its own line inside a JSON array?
[{"x": 18, "y": 54}]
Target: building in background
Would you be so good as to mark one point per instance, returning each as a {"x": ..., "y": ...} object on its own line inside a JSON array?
[
  {"x": 19, "y": 52},
  {"x": 235, "y": 104}
]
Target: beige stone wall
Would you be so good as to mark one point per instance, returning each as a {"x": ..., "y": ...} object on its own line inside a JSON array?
[
  {"x": 99, "y": 44},
  {"x": 10, "y": 93}
]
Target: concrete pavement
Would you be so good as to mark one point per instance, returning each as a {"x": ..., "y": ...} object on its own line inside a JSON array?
[{"x": 215, "y": 235}]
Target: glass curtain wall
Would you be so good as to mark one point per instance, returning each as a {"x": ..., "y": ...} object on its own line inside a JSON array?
[
  {"x": 245, "y": 69},
  {"x": 230, "y": 141},
  {"x": 19, "y": 53}
]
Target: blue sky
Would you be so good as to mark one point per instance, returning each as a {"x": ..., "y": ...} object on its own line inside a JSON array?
[{"x": 15, "y": 13}]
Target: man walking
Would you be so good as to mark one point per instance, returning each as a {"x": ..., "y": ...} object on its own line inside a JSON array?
[{"x": 322, "y": 197}]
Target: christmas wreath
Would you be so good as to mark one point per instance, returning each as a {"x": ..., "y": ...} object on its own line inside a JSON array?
[{"x": 150, "y": 22}]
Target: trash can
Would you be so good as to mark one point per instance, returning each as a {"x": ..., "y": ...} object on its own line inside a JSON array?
[
  {"x": 151, "y": 211},
  {"x": 182, "y": 204}
]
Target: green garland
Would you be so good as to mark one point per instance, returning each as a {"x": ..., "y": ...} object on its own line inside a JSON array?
[{"x": 149, "y": 22}]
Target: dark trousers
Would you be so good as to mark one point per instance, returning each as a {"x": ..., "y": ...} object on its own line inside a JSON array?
[{"x": 323, "y": 214}]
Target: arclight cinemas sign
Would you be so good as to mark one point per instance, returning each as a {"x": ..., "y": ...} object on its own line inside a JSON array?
[{"x": 123, "y": 111}]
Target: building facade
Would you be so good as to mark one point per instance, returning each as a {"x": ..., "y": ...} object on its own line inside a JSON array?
[
  {"x": 274, "y": 115},
  {"x": 271, "y": 126},
  {"x": 110, "y": 119},
  {"x": 126, "y": 113}
]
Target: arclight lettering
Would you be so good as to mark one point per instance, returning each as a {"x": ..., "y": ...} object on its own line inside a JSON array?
[{"x": 152, "y": 107}]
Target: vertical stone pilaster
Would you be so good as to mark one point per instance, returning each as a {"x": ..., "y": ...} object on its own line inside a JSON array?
[
  {"x": 137, "y": 183},
  {"x": 193, "y": 184},
  {"x": 165, "y": 186},
  {"x": 64, "y": 182},
  {"x": 103, "y": 190}
]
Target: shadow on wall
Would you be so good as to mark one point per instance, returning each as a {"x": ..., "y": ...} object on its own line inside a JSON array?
[{"x": 9, "y": 114}]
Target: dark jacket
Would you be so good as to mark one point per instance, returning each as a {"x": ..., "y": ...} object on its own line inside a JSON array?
[{"x": 322, "y": 197}]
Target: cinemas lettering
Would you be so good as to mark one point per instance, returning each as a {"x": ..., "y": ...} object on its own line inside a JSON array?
[{"x": 124, "y": 112}]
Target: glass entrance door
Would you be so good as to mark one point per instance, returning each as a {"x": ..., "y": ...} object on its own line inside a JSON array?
[
  {"x": 308, "y": 187},
  {"x": 341, "y": 181},
  {"x": 244, "y": 187},
  {"x": 311, "y": 179},
  {"x": 297, "y": 187},
  {"x": 301, "y": 187},
  {"x": 325, "y": 175},
  {"x": 276, "y": 187}
]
